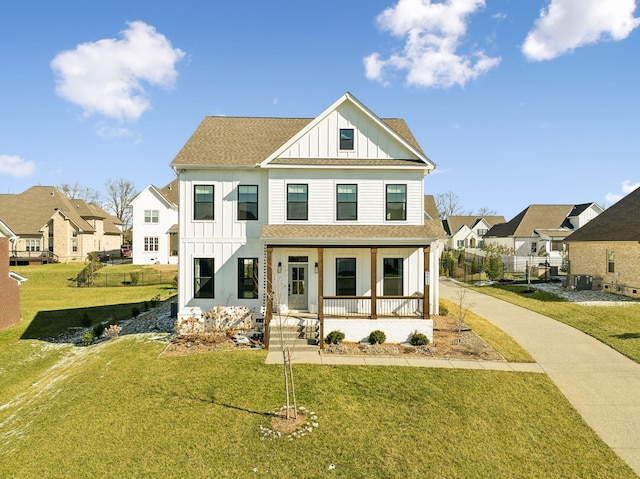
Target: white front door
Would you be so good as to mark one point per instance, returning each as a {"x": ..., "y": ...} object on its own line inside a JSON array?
[{"x": 298, "y": 299}]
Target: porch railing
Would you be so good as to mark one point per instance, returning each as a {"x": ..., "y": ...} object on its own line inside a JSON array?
[{"x": 360, "y": 306}]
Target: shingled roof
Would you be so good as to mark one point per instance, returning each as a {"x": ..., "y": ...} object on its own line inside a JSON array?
[
  {"x": 170, "y": 192},
  {"x": 246, "y": 141},
  {"x": 454, "y": 223},
  {"x": 619, "y": 222},
  {"x": 532, "y": 218}
]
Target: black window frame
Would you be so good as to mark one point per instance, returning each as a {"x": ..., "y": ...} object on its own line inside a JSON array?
[
  {"x": 291, "y": 202},
  {"x": 197, "y": 275},
  {"x": 250, "y": 207},
  {"x": 390, "y": 211},
  {"x": 347, "y": 205},
  {"x": 200, "y": 213},
  {"x": 344, "y": 281},
  {"x": 611, "y": 261},
  {"x": 346, "y": 137},
  {"x": 151, "y": 244},
  {"x": 247, "y": 285},
  {"x": 389, "y": 280}
]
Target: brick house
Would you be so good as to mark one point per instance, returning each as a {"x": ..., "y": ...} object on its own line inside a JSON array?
[
  {"x": 9, "y": 282},
  {"x": 605, "y": 253}
]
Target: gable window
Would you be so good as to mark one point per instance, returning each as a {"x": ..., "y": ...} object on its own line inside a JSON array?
[
  {"x": 203, "y": 280},
  {"x": 346, "y": 138},
  {"x": 247, "y": 202},
  {"x": 611, "y": 261},
  {"x": 396, "y": 202},
  {"x": 203, "y": 202},
  {"x": 150, "y": 216},
  {"x": 345, "y": 276},
  {"x": 151, "y": 243},
  {"x": 347, "y": 202},
  {"x": 247, "y": 278},
  {"x": 297, "y": 202},
  {"x": 482, "y": 231},
  {"x": 393, "y": 277}
]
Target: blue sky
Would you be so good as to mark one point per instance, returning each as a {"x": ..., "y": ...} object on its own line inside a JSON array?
[{"x": 517, "y": 102}]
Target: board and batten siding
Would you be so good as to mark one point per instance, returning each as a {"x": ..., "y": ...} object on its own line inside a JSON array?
[
  {"x": 371, "y": 141},
  {"x": 322, "y": 194}
]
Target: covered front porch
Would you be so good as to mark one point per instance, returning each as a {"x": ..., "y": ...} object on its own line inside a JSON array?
[{"x": 352, "y": 287}]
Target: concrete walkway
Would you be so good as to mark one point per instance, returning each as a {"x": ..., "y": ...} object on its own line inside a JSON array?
[{"x": 602, "y": 384}]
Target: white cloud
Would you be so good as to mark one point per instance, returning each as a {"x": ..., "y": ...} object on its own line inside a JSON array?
[
  {"x": 627, "y": 187},
  {"x": 107, "y": 76},
  {"x": 16, "y": 166},
  {"x": 569, "y": 24},
  {"x": 432, "y": 34}
]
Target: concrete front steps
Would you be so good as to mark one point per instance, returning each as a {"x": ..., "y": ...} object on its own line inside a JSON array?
[{"x": 299, "y": 336}]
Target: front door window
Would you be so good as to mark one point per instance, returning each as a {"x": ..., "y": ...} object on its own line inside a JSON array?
[{"x": 298, "y": 287}]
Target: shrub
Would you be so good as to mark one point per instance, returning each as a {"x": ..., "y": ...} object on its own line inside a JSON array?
[
  {"x": 493, "y": 267},
  {"x": 443, "y": 309},
  {"x": 135, "y": 312},
  {"x": 98, "y": 329},
  {"x": 113, "y": 331},
  {"x": 88, "y": 337},
  {"x": 334, "y": 337},
  {"x": 377, "y": 337},
  {"x": 135, "y": 278},
  {"x": 155, "y": 301},
  {"x": 418, "y": 339},
  {"x": 85, "y": 320}
]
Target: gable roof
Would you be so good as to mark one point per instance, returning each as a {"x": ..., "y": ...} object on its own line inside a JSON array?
[
  {"x": 28, "y": 212},
  {"x": 170, "y": 192},
  {"x": 223, "y": 141},
  {"x": 430, "y": 207},
  {"x": 531, "y": 218},
  {"x": 619, "y": 222},
  {"x": 453, "y": 223}
]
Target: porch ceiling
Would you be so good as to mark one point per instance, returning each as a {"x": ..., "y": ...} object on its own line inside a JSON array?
[{"x": 393, "y": 235}]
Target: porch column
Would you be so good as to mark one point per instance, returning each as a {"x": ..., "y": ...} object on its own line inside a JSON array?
[
  {"x": 269, "y": 307},
  {"x": 427, "y": 281},
  {"x": 374, "y": 282},
  {"x": 321, "y": 294}
]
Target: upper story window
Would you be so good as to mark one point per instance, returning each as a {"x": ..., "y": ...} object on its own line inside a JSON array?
[
  {"x": 482, "y": 231},
  {"x": 247, "y": 202},
  {"x": 297, "y": 202},
  {"x": 151, "y": 216},
  {"x": 346, "y": 138},
  {"x": 396, "y": 202},
  {"x": 203, "y": 202},
  {"x": 347, "y": 202}
]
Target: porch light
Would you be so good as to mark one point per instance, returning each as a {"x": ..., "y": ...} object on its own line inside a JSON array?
[
  {"x": 279, "y": 266},
  {"x": 316, "y": 267}
]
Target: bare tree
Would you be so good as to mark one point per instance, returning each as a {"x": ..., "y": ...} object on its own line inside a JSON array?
[
  {"x": 79, "y": 192},
  {"x": 448, "y": 204},
  {"x": 462, "y": 308},
  {"x": 119, "y": 194},
  {"x": 485, "y": 211}
]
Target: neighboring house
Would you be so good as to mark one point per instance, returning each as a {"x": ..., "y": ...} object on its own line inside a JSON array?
[
  {"x": 53, "y": 228},
  {"x": 605, "y": 253},
  {"x": 468, "y": 231},
  {"x": 9, "y": 281},
  {"x": 155, "y": 225},
  {"x": 540, "y": 230},
  {"x": 323, "y": 215}
]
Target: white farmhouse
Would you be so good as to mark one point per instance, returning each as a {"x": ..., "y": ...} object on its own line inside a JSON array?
[
  {"x": 318, "y": 215},
  {"x": 155, "y": 225}
]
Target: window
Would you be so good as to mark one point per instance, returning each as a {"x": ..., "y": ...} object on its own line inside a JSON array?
[
  {"x": 345, "y": 277},
  {"x": 203, "y": 278},
  {"x": 392, "y": 280},
  {"x": 150, "y": 216},
  {"x": 534, "y": 248},
  {"x": 482, "y": 231},
  {"x": 247, "y": 278},
  {"x": 346, "y": 138},
  {"x": 74, "y": 234},
  {"x": 347, "y": 202},
  {"x": 203, "y": 202},
  {"x": 32, "y": 244},
  {"x": 297, "y": 202},
  {"x": 460, "y": 243},
  {"x": 247, "y": 202},
  {"x": 396, "y": 202},
  {"x": 557, "y": 245},
  {"x": 74, "y": 245},
  {"x": 611, "y": 261},
  {"x": 151, "y": 243}
]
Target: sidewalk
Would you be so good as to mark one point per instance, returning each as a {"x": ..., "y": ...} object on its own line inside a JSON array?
[{"x": 602, "y": 384}]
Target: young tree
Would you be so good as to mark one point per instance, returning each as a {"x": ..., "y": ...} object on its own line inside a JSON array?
[
  {"x": 493, "y": 266},
  {"x": 119, "y": 194}
]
